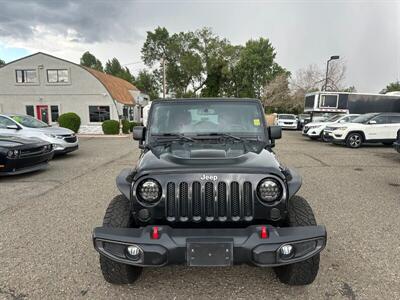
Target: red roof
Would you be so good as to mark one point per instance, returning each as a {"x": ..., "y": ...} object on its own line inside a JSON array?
[{"x": 118, "y": 88}]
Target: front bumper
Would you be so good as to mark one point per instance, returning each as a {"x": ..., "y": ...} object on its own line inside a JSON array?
[
  {"x": 243, "y": 245},
  {"x": 288, "y": 126},
  {"x": 396, "y": 146},
  {"x": 65, "y": 150},
  {"x": 25, "y": 164}
]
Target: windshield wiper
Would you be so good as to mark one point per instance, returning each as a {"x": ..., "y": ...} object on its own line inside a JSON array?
[
  {"x": 175, "y": 135},
  {"x": 227, "y": 135}
]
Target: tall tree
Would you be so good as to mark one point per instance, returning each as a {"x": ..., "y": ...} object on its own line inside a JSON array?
[
  {"x": 276, "y": 95},
  {"x": 256, "y": 67},
  {"x": 146, "y": 82},
  {"x": 2, "y": 62},
  {"x": 113, "y": 67},
  {"x": 89, "y": 60},
  {"x": 391, "y": 87}
]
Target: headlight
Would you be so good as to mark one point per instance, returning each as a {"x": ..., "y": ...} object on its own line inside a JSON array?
[
  {"x": 270, "y": 190},
  {"x": 13, "y": 153},
  {"x": 341, "y": 128},
  {"x": 149, "y": 191},
  {"x": 54, "y": 136}
]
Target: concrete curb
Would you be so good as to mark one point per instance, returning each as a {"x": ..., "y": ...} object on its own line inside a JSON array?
[{"x": 103, "y": 135}]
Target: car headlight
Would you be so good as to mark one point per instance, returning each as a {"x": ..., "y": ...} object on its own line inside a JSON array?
[
  {"x": 270, "y": 190},
  {"x": 13, "y": 153},
  {"x": 149, "y": 191},
  {"x": 341, "y": 128}
]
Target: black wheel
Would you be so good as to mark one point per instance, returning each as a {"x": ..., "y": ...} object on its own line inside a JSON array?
[
  {"x": 118, "y": 214},
  {"x": 304, "y": 272},
  {"x": 354, "y": 140}
]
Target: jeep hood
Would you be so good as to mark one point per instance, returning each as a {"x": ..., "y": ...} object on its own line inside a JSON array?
[{"x": 208, "y": 160}]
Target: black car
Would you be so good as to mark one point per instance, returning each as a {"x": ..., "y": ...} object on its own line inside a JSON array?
[
  {"x": 21, "y": 155},
  {"x": 208, "y": 191},
  {"x": 396, "y": 144}
]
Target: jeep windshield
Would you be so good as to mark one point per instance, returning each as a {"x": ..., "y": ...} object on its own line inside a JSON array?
[{"x": 238, "y": 120}]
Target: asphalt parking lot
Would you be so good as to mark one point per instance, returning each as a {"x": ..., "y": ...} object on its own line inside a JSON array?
[{"x": 46, "y": 221}]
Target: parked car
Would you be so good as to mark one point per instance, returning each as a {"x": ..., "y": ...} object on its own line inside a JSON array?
[
  {"x": 64, "y": 140},
  {"x": 287, "y": 121},
  {"x": 208, "y": 191},
  {"x": 367, "y": 128},
  {"x": 315, "y": 130},
  {"x": 396, "y": 144},
  {"x": 303, "y": 119},
  {"x": 23, "y": 155}
]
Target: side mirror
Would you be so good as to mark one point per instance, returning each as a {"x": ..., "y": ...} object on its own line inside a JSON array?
[
  {"x": 372, "y": 122},
  {"x": 15, "y": 127},
  {"x": 275, "y": 132},
  {"x": 138, "y": 133}
]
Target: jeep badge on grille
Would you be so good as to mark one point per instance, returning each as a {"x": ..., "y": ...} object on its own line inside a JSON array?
[{"x": 209, "y": 177}]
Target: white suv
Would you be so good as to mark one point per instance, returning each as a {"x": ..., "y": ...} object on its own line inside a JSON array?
[
  {"x": 368, "y": 128},
  {"x": 287, "y": 121},
  {"x": 315, "y": 130}
]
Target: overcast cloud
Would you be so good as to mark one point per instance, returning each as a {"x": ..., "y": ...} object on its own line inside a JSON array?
[{"x": 365, "y": 34}]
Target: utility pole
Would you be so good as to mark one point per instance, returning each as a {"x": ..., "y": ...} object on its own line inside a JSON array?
[{"x": 164, "y": 83}]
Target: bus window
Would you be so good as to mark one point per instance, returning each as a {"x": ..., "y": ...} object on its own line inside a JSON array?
[{"x": 328, "y": 101}]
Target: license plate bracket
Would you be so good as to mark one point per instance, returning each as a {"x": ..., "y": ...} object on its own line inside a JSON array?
[{"x": 210, "y": 253}]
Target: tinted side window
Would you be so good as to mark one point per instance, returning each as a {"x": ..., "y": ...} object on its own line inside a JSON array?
[
  {"x": 381, "y": 119},
  {"x": 4, "y": 122},
  {"x": 394, "y": 119}
]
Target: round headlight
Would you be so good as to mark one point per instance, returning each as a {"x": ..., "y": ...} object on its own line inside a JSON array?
[
  {"x": 13, "y": 153},
  {"x": 149, "y": 190},
  {"x": 270, "y": 190}
]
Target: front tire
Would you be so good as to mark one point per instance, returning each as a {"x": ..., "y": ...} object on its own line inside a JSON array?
[
  {"x": 354, "y": 140},
  {"x": 118, "y": 214},
  {"x": 304, "y": 272}
]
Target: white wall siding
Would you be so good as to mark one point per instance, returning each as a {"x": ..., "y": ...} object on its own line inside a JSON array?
[{"x": 82, "y": 90}]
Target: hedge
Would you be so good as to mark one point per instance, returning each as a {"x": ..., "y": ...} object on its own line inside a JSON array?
[
  {"x": 70, "y": 120},
  {"x": 110, "y": 127},
  {"x": 126, "y": 126}
]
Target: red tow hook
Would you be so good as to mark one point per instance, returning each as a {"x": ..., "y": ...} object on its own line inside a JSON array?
[
  {"x": 155, "y": 234},
  {"x": 264, "y": 232}
]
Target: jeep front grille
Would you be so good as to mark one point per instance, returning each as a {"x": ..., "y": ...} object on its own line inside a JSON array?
[{"x": 209, "y": 201}]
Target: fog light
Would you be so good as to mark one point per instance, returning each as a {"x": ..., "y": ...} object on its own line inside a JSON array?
[
  {"x": 133, "y": 252},
  {"x": 286, "y": 251}
]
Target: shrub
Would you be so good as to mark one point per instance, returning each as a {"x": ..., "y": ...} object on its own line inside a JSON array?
[
  {"x": 126, "y": 126},
  {"x": 133, "y": 124},
  {"x": 110, "y": 127},
  {"x": 70, "y": 120}
]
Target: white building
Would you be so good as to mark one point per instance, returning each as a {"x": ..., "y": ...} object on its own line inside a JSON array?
[{"x": 45, "y": 87}]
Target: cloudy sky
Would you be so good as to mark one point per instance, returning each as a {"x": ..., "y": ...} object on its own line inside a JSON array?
[{"x": 366, "y": 34}]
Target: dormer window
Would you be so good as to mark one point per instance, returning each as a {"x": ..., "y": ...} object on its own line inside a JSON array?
[
  {"x": 57, "y": 76},
  {"x": 26, "y": 76}
]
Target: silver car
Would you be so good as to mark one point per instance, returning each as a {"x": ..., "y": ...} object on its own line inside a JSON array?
[{"x": 64, "y": 140}]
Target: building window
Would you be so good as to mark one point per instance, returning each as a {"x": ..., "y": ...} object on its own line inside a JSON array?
[
  {"x": 57, "y": 76},
  {"x": 54, "y": 113},
  {"x": 30, "y": 110},
  {"x": 99, "y": 113},
  {"x": 26, "y": 76}
]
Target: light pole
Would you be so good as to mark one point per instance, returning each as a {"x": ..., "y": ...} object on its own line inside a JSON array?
[{"x": 327, "y": 69}]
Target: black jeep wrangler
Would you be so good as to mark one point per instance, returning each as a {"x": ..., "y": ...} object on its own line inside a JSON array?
[{"x": 208, "y": 191}]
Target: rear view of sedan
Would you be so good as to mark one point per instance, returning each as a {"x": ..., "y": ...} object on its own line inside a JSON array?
[{"x": 18, "y": 155}]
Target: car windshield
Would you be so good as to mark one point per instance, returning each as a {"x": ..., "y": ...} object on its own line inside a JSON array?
[
  {"x": 29, "y": 121},
  {"x": 287, "y": 117},
  {"x": 205, "y": 117},
  {"x": 363, "y": 118},
  {"x": 334, "y": 118}
]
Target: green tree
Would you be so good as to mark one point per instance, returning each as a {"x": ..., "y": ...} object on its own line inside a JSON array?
[
  {"x": 113, "y": 67},
  {"x": 146, "y": 82},
  {"x": 90, "y": 61},
  {"x": 391, "y": 87},
  {"x": 256, "y": 67},
  {"x": 2, "y": 62}
]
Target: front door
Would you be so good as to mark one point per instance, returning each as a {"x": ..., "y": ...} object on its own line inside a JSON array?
[{"x": 42, "y": 112}]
